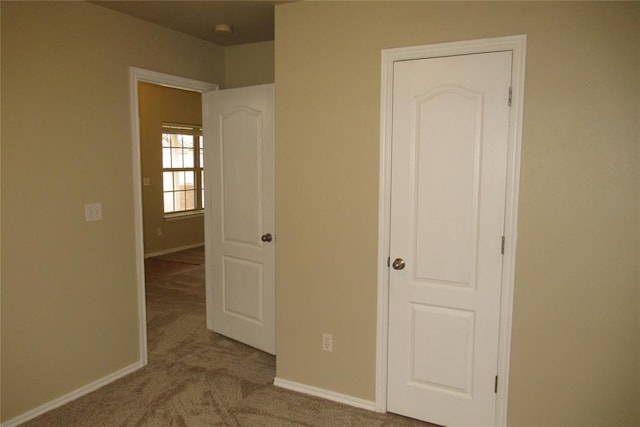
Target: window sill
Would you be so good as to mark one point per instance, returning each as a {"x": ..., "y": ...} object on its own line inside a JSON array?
[{"x": 183, "y": 215}]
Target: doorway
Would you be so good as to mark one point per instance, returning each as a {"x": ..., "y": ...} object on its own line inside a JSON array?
[
  {"x": 137, "y": 75},
  {"x": 447, "y": 241},
  {"x": 171, "y": 145},
  {"x": 239, "y": 123}
]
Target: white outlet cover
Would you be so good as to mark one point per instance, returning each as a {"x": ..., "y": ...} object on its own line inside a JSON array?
[{"x": 327, "y": 342}]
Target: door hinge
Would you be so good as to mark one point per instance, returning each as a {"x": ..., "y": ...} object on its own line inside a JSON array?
[
  {"x": 495, "y": 386},
  {"x": 502, "y": 246},
  {"x": 510, "y": 95},
  {"x": 388, "y": 261}
]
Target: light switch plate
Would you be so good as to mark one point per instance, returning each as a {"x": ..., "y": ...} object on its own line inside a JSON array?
[{"x": 93, "y": 211}]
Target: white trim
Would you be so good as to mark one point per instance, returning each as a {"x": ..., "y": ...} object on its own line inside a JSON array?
[
  {"x": 172, "y": 250},
  {"x": 62, "y": 400},
  {"x": 140, "y": 75},
  {"x": 516, "y": 44},
  {"x": 169, "y": 80},
  {"x": 325, "y": 394},
  {"x": 180, "y": 215}
]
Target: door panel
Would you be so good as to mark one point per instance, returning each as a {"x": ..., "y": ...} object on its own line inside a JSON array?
[
  {"x": 242, "y": 289},
  {"x": 446, "y": 177},
  {"x": 240, "y": 180},
  {"x": 443, "y": 344},
  {"x": 241, "y": 176},
  {"x": 449, "y": 154}
]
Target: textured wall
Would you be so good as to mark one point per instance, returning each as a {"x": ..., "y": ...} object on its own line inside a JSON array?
[
  {"x": 575, "y": 346},
  {"x": 69, "y": 313}
]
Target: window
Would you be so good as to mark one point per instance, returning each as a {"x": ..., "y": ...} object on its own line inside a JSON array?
[{"x": 182, "y": 169}]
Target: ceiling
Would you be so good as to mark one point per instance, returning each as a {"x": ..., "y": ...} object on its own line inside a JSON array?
[{"x": 251, "y": 21}]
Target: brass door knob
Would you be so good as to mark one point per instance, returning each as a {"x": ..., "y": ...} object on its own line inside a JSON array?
[{"x": 266, "y": 237}]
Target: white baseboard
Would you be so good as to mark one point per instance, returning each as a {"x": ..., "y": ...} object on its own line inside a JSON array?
[
  {"x": 325, "y": 394},
  {"x": 72, "y": 396},
  {"x": 172, "y": 250}
]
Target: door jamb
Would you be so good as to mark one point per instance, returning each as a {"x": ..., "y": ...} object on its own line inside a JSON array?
[
  {"x": 516, "y": 44},
  {"x": 141, "y": 75}
]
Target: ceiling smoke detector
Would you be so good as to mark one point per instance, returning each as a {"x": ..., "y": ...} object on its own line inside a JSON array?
[{"x": 223, "y": 29}]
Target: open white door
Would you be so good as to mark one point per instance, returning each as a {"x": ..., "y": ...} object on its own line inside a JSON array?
[
  {"x": 240, "y": 214},
  {"x": 448, "y": 184}
]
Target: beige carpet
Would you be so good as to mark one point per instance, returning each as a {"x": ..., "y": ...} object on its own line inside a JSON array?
[{"x": 198, "y": 378}]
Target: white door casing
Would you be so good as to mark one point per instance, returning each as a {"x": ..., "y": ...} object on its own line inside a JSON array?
[
  {"x": 448, "y": 194},
  {"x": 240, "y": 214}
]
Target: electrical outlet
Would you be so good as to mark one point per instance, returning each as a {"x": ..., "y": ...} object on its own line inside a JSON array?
[
  {"x": 327, "y": 342},
  {"x": 159, "y": 231}
]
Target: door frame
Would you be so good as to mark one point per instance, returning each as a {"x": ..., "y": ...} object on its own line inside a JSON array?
[
  {"x": 516, "y": 44},
  {"x": 137, "y": 75}
]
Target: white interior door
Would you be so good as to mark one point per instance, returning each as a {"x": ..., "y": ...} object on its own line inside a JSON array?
[
  {"x": 240, "y": 214},
  {"x": 449, "y": 168}
]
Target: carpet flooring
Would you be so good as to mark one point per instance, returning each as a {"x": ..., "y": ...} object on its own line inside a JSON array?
[{"x": 196, "y": 377}]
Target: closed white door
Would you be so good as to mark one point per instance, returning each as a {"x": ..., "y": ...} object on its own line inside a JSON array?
[
  {"x": 240, "y": 214},
  {"x": 449, "y": 166}
]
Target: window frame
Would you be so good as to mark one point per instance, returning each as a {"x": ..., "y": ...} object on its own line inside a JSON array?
[{"x": 195, "y": 130}]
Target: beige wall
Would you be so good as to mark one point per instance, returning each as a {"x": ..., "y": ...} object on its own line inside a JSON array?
[
  {"x": 69, "y": 314},
  {"x": 160, "y": 104},
  {"x": 575, "y": 341},
  {"x": 249, "y": 64}
]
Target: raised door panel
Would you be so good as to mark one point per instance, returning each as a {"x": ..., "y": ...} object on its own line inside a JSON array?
[
  {"x": 442, "y": 349},
  {"x": 242, "y": 289},
  {"x": 447, "y": 143},
  {"x": 241, "y": 154}
]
